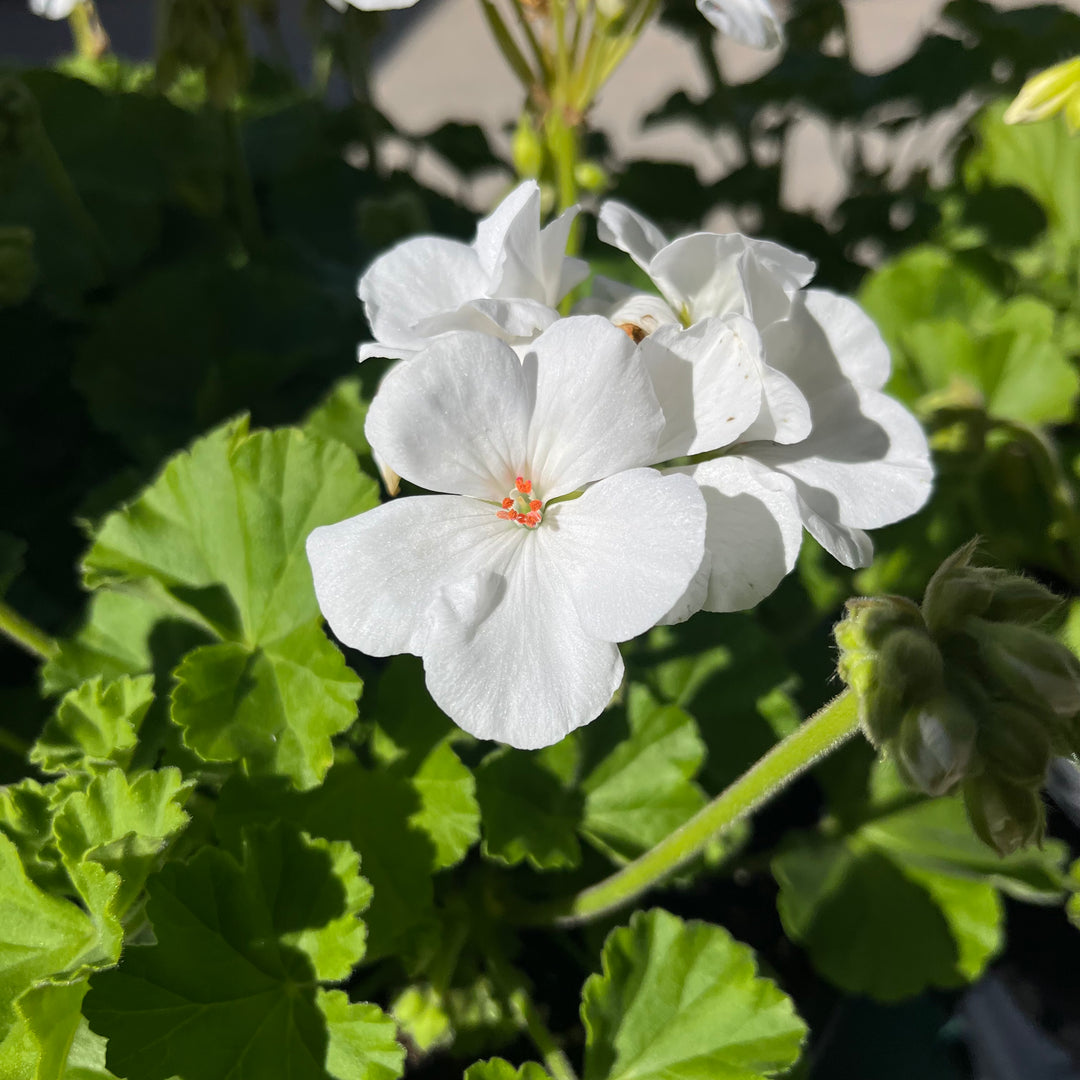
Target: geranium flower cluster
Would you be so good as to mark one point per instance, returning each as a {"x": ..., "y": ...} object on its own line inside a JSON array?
[{"x": 592, "y": 475}]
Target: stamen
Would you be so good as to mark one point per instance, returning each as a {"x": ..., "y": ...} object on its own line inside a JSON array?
[
  {"x": 507, "y": 503},
  {"x": 521, "y": 506},
  {"x": 523, "y": 485},
  {"x": 506, "y": 515},
  {"x": 535, "y": 504}
]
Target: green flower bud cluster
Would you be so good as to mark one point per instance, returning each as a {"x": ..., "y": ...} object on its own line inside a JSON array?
[
  {"x": 971, "y": 691},
  {"x": 207, "y": 35}
]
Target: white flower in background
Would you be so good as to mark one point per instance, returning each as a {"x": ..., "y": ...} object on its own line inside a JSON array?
[
  {"x": 370, "y": 5},
  {"x": 53, "y": 9},
  {"x": 514, "y": 594},
  {"x": 506, "y": 283},
  {"x": 752, "y": 22},
  {"x": 827, "y": 449}
]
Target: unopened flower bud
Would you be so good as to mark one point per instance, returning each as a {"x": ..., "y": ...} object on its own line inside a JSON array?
[
  {"x": 1015, "y": 743},
  {"x": 935, "y": 744},
  {"x": 527, "y": 148},
  {"x": 18, "y": 270},
  {"x": 1053, "y": 90},
  {"x": 969, "y": 691},
  {"x": 1004, "y": 815},
  {"x": 1031, "y": 666},
  {"x": 591, "y": 177}
]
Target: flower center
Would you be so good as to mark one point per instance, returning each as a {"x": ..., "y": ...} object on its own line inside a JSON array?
[{"x": 521, "y": 506}]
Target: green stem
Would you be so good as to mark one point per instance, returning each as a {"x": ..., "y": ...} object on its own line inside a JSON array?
[
  {"x": 89, "y": 36},
  {"x": 507, "y": 45},
  {"x": 812, "y": 740},
  {"x": 13, "y": 744},
  {"x": 543, "y": 61},
  {"x": 247, "y": 212},
  {"x": 528, "y": 1016},
  {"x": 25, "y": 633}
]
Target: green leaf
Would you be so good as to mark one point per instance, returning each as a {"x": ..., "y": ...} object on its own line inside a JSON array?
[
  {"x": 371, "y": 809},
  {"x": 498, "y": 1069},
  {"x": 97, "y": 723},
  {"x": 1043, "y": 159},
  {"x": 26, "y": 815},
  {"x": 275, "y": 708},
  {"x": 530, "y": 811},
  {"x": 51, "y": 1040},
  {"x": 40, "y": 935},
  {"x": 448, "y": 812},
  {"x": 124, "y": 826},
  {"x": 680, "y": 1001},
  {"x": 1072, "y": 905},
  {"x": 223, "y": 528},
  {"x": 341, "y": 416},
  {"x": 220, "y": 536},
  {"x": 908, "y": 900},
  {"x": 262, "y": 1013},
  {"x": 363, "y": 1043},
  {"x": 644, "y": 788}
]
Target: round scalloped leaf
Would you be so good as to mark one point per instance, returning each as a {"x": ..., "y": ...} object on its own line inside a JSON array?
[{"x": 683, "y": 1000}]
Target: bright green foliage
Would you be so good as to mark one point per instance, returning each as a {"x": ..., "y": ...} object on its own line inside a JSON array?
[
  {"x": 26, "y": 811},
  {"x": 448, "y": 810},
  {"x": 908, "y": 900},
  {"x": 1072, "y": 906},
  {"x": 262, "y": 1013},
  {"x": 955, "y": 343},
  {"x": 644, "y": 788},
  {"x": 218, "y": 538},
  {"x": 96, "y": 723},
  {"x": 274, "y": 708},
  {"x": 51, "y": 1040},
  {"x": 1042, "y": 159},
  {"x": 684, "y": 1000},
  {"x": 497, "y": 1069},
  {"x": 40, "y": 935},
  {"x": 123, "y": 826}
]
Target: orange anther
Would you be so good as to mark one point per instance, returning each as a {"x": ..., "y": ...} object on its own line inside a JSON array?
[
  {"x": 523, "y": 485},
  {"x": 535, "y": 504},
  {"x": 507, "y": 503},
  {"x": 506, "y": 515}
]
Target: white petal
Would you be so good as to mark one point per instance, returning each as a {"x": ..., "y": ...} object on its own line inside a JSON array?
[
  {"x": 828, "y": 339},
  {"x": 627, "y": 230},
  {"x": 707, "y": 382},
  {"x": 644, "y": 312},
  {"x": 558, "y": 272},
  {"x": 595, "y": 412},
  {"x": 526, "y": 674},
  {"x": 420, "y": 278},
  {"x": 752, "y": 22},
  {"x": 375, "y": 349},
  {"x": 517, "y": 319},
  {"x": 628, "y": 549},
  {"x": 724, "y": 274},
  {"x": 866, "y": 463},
  {"x": 785, "y": 413},
  {"x": 847, "y": 545},
  {"x": 377, "y": 574},
  {"x": 753, "y": 531},
  {"x": 507, "y": 241},
  {"x": 455, "y": 417},
  {"x": 54, "y": 9}
]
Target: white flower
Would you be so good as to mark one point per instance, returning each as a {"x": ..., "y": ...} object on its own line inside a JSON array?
[
  {"x": 53, "y": 9},
  {"x": 507, "y": 283},
  {"x": 370, "y": 5},
  {"x": 753, "y": 22},
  {"x": 826, "y": 450},
  {"x": 514, "y": 594}
]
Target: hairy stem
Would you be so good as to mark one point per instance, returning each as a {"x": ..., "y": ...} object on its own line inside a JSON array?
[
  {"x": 89, "y": 35},
  {"x": 25, "y": 634},
  {"x": 528, "y": 1016},
  {"x": 812, "y": 740}
]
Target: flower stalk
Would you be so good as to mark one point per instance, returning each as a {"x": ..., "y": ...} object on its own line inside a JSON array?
[
  {"x": 91, "y": 41},
  {"x": 827, "y": 729},
  {"x": 25, "y": 634}
]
